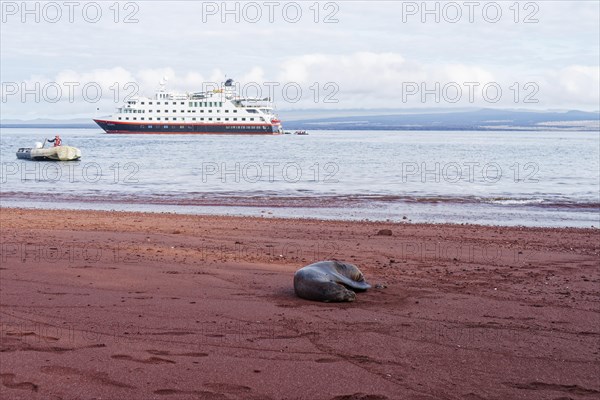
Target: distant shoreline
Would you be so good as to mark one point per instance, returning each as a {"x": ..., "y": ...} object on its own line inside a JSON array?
[
  {"x": 340, "y": 128},
  {"x": 482, "y": 120},
  {"x": 484, "y": 215}
]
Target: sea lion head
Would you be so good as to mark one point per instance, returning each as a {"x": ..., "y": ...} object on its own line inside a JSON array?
[{"x": 350, "y": 270}]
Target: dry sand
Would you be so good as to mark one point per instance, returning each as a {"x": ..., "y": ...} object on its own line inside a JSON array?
[{"x": 109, "y": 305}]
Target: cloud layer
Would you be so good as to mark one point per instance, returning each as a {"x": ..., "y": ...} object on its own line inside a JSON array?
[{"x": 367, "y": 55}]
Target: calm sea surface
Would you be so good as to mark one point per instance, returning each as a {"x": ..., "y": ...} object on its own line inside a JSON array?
[{"x": 503, "y": 178}]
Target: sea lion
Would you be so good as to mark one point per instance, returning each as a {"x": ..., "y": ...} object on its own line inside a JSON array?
[{"x": 329, "y": 281}]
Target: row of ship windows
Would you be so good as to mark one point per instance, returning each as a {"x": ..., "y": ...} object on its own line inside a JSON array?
[
  {"x": 129, "y": 111},
  {"x": 193, "y": 119},
  {"x": 196, "y": 103},
  {"x": 206, "y": 104}
]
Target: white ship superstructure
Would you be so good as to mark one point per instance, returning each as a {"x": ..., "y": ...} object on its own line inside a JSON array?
[{"x": 218, "y": 111}]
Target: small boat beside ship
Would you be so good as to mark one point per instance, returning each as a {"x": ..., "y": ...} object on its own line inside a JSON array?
[
  {"x": 56, "y": 153},
  {"x": 301, "y": 133}
]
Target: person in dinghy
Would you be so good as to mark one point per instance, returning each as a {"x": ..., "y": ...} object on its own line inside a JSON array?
[{"x": 57, "y": 141}]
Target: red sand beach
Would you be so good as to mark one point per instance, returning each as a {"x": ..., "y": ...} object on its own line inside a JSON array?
[{"x": 106, "y": 305}]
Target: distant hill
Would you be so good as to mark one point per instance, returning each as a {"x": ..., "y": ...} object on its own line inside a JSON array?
[
  {"x": 385, "y": 119},
  {"x": 485, "y": 119},
  {"x": 80, "y": 123}
]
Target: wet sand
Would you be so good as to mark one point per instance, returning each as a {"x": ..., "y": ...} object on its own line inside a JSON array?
[{"x": 162, "y": 306}]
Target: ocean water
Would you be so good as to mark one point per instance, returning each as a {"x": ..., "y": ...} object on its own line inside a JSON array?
[{"x": 501, "y": 178}]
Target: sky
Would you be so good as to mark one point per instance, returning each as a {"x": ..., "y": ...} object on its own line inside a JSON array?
[{"x": 79, "y": 59}]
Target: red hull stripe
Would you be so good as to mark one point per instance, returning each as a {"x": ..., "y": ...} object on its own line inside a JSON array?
[
  {"x": 192, "y": 133},
  {"x": 116, "y": 123}
]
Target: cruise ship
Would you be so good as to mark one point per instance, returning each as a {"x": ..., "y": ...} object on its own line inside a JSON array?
[{"x": 218, "y": 111}]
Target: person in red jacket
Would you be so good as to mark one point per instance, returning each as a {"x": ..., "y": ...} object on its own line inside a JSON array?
[{"x": 57, "y": 141}]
